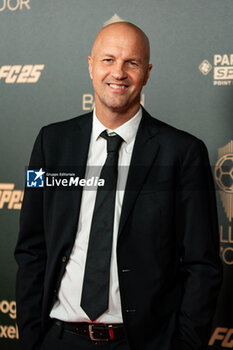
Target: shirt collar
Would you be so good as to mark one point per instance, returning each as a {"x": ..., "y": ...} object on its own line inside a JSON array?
[{"x": 127, "y": 130}]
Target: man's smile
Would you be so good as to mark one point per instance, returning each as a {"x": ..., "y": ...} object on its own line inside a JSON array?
[{"x": 117, "y": 87}]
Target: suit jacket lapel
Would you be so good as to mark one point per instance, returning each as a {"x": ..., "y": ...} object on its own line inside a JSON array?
[
  {"x": 77, "y": 158},
  {"x": 144, "y": 153},
  {"x": 79, "y": 139}
]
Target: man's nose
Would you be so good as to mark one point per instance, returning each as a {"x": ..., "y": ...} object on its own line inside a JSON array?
[{"x": 118, "y": 71}]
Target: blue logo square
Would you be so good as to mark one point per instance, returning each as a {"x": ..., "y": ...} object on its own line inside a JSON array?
[{"x": 35, "y": 178}]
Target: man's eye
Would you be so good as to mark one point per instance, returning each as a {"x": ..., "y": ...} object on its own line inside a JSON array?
[
  {"x": 107, "y": 60},
  {"x": 132, "y": 63}
]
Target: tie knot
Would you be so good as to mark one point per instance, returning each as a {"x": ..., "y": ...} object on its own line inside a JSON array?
[{"x": 113, "y": 142}]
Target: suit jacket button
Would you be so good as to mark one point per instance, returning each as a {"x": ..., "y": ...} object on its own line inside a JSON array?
[{"x": 63, "y": 259}]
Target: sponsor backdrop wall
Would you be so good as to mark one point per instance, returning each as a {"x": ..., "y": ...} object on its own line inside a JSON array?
[{"x": 44, "y": 78}]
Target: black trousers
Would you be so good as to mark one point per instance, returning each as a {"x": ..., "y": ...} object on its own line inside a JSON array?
[{"x": 59, "y": 339}]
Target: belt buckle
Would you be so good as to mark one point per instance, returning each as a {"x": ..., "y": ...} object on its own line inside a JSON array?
[{"x": 90, "y": 328}]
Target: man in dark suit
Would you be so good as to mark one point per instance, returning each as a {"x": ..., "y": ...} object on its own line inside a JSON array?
[{"x": 143, "y": 271}]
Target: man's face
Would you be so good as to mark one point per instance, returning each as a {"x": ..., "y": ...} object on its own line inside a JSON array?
[{"x": 119, "y": 68}]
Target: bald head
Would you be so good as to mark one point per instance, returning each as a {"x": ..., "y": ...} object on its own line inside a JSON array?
[
  {"x": 119, "y": 68},
  {"x": 119, "y": 31}
]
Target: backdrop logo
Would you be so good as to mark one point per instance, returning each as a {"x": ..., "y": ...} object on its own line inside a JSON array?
[
  {"x": 9, "y": 331},
  {"x": 89, "y": 102},
  {"x": 13, "y": 5},
  {"x": 224, "y": 178},
  {"x": 222, "y": 69},
  {"x": 223, "y": 337},
  {"x": 113, "y": 19},
  {"x": 35, "y": 178},
  {"x": 205, "y": 67},
  {"x": 10, "y": 197},
  {"x": 8, "y": 307},
  {"x": 19, "y": 74}
]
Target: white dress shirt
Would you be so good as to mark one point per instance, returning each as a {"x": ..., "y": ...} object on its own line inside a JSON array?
[{"x": 67, "y": 307}]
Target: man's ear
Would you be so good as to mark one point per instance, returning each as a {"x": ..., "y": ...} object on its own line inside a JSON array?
[
  {"x": 147, "y": 74},
  {"x": 90, "y": 61}
]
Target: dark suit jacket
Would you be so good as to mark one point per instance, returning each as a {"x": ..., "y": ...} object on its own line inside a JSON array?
[{"x": 168, "y": 247}]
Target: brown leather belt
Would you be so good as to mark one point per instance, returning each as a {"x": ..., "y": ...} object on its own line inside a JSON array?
[{"x": 95, "y": 331}]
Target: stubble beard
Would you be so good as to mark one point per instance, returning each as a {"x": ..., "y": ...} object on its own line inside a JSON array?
[{"x": 116, "y": 104}]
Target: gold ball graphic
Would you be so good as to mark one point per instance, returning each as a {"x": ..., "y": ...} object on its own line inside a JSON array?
[{"x": 224, "y": 173}]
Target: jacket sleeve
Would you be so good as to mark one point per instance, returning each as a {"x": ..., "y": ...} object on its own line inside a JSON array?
[
  {"x": 201, "y": 269},
  {"x": 30, "y": 254}
]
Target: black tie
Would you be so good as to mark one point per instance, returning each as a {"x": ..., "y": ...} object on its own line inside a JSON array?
[{"x": 95, "y": 292}]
